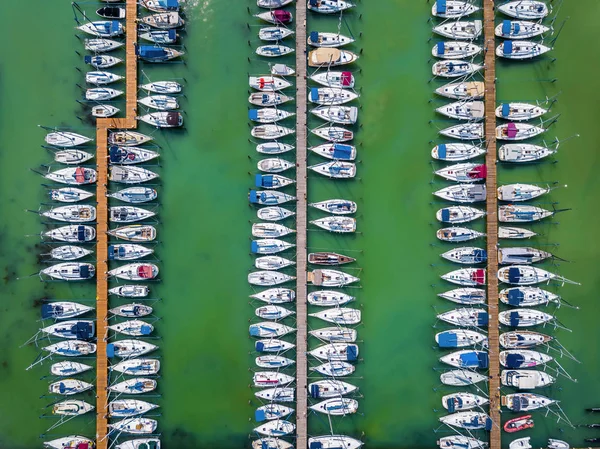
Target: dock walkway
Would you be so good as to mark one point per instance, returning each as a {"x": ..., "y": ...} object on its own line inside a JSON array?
[{"x": 102, "y": 127}]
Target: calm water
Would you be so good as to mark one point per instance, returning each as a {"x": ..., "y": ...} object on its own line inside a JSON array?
[{"x": 204, "y": 230}]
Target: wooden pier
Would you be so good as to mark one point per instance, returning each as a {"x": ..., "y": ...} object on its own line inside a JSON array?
[
  {"x": 102, "y": 127},
  {"x": 301, "y": 222},
  {"x": 492, "y": 222}
]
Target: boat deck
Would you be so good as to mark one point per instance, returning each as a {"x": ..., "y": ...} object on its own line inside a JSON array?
[
  {"x": 492, "y": 223},
  {"x": 102, "y": 127},
  {"x": 301, "y": 221}
]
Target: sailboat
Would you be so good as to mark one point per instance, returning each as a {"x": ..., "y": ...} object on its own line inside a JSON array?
[
  {"x": 68, "y": 368},
  {"x": 460, "y": 29},
  {"x": 462, "y": 90},
  {"x": 128, "y": 155},
  {"x": 524, "y": 318},
  {"x": 330, "y": 259},
  {"x": 274, "y": 51},
  {"x": 520, "y": 29},
  {"x": 264, "y": 379},
  {"x": 467, "y": 358},
  {"x": 460, "y": 338},
  {"x": 270, "y": 132},
  {"x": 463, "y": 110},
  {"x": 519, "y": 111},
  {"x": 463, "y": 401},
  {"x": 523, "y": 358},
  {"x": 523, "y": 153},
  {"x": 162, "y": 87},
  {"x": 101, "y": 77},
  {"x": 336, "y": 352},
  {"x": 135, "y": 426},
  {"x": 163, "y": 20},
  {"x": 134, "y": 233},
  {"x": 470, "y": 277},
  {"x": 269, "y": 246},
  {"x": 522, "y": 213},
  {"x": 130, "y": 174},
  {"x": 275, "y": 428},
  {"x": 128, "y": 138},
  {"x": 269, "y": 278},
  {"x": 526, "y": 379},
  {"x": 71, "y": 348},
  {"x": 268, "y": 98},
  {"x": 270, "y": 230},
  {"x": 163, "y": 119},
  {"x": 520, "y": 192},
  {"x": 517, "y": 131},
  {"x": 334, "y": 442},
  {"x": 460, "y": 442},
  {"x": 128, "y": 214},
  {"x": 521, "y": 255},
  {"x": 468, "y": 420},
  {"x": 336, "y": 224},
  {"x": 527, "y": 297},
  {"x": 461, "y": 378},
  {"x": 336, "y": 206},
  {"x": 456, "y": 234},
  {"x": 343, "y": 115},
  {"x": 102, "y": 61},
  {"x": 467, "y": 172},
  {"x": 466, "y": 255},
  {"x": 522, "y": 402},
  {"x": 273, "y": 148},
  {"x": 131, "y": 310},
  {"x": 71, "y": 407},
  {"x": 335, "y": 334},
  {"x": 331, "y": 278},
  {"x": 159, "y": 102},
  {"x": 276, "y": 17},
  {"x": 273, "y": 213},
  {"x": 336, "y": 406},
  {"x": 330, "y": 40},
  {"x": 129, "y": 348},
  {"x": 272, "y": 312},
  {"x": 453, "y": 9},
  {"x": 269, "y": 198},
  {"x": 336, "y": 169},
  {"x": 137, "y": 194},
  {"x": 137, "y": 366},
  {"x": 330, "y": 57},
  {"x": 61, "y": 310},
  {"x": 137, "y": 385},
  {"x": 138, "y": 271},
  {"x": 328, "y": 6},
  {"x": 465, "y": 317},
  {"x": 274, "y": 165},
  {"x": 68, "y": 387},
  {"x": 72, "y": 233},
  {"x": 466, "y": 295},
  {"x": 104, "y": 110},
  {"x": 124, "y": 408},
  {"x": 331, "y": 96},
  {"x": 344, "y": 80},
  {"x": 455, "y": 152},
  {"x": 103, "y": 28},
  {"x": 328, "y": 298},
  {"x": 161, "y": 37},
  {"x": 527, "y": 275},
  {"x": 455, "y": 50},
  {"x": 525, "y": 9},
  {"x": 70, "y": 271},
  {"x": 74, "y": 213},
  {"x": 458, "y": 214},
  {"x": 101, "y": 45},
  {"x": 514, "y": 233},
  {"x": 454, "y": 68},
  {"x": 334, "y": 369},
  {"x": 72, "y": 156},
  {"x": 521, "y": 49},
  {"x": 268, "y": 83},
  {"x": 339, "y": 315},
  {"x": 130, "y": 291},
  {"x": 465, "y": 131},
  {"x": 463, "y": 193},
  {"x": 275, "y": 295},
  {"x": 160, "y": 6},
  {"x": 274, "y": 34},
  {"x": 521, "y": 338}
]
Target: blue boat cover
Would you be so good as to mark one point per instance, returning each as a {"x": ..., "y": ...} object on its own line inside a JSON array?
[
  {"x": 514, "y": 318},
  {"x": 259, "y": 415},
  {"x": 260, "y": 346},
  {"x": 469, "y": 360},
  {"x": 114, "y": 26},
  {"x": 451, "y": 404},
  {"x": 50, "y": 310},
  {"x": 445, "y": 214},
  {"x": 254, "y": 330},
  {"x": 263, "y": 180},
  {"x": 517, "y": 28},
  {"x": 314, "y": 391},
  {"x": 440, "y": 48},
  {"x": 110, "y": 350},
  {"x": 514, "y": 275},
  {"x": 508, "y": 47},
  {"x": 116, "y": 154},
  {"x": 314, "y": 2},
  {"x": 120, "y": 253},
  {"x": 169, "y": 4},
  {"x": 312, "y": 445},
  {"x": 343, "y": 152},
  {"x": 514, "y": 360},
  {"x": 351, "y": 353},
  {"x": 441, "y": 6},
  {"x": 442, "y": 151},
  {"x": 253, "y": 114},
  {"x": 505, "y": 109},
  {"x": 314, "y": 36},
  {"x": 62, "y": 388},
  {"x": 151, "y": 52},
  {"x": 488, "y": 424},
  {"x": 482, "y": 319},
  {"x": 145, "y": 329},
  {"x": 254, "y": 246},
  {"x": 479, "y": 255},
  {"x": 314, "y": 94},
  {"x": 81, "y": 233},
  {"x": 83, "y": 330},
  {"x": 253, "y": 197},
  {"x": 506, "y": 27},
  {"x": 515, "y": 297},
  {"x": 84, "y": 272},
  {"x": 447, "y": 339}
]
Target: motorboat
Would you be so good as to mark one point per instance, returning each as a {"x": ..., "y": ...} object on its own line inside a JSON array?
[
  {"x": 466, "y": 172},
  {"x": 160, "y": 6},
  {"x": 522, "y": 339},
  {"x": 335, "y": 169},
  {"x": 461, "y": 377},
  {"x": 270, "y": 132},
  {"x": 519, "y": 111},
  {"x": 160, "y": 102},
  {"x": 465, "y": 317},
  {"x": 99, "y": 77},
  {"x": 455, "y": 50},
  {"x": 272, "y": 312},
  {"x": 463, "y": 401},
  {"x": 344, "y": 115},
  {"x": 128, "y": 214},
  {"x": 520, "y": 192},
  {"x": 63, "y": 310},
  {"x": 335, "y": 334},
  {"x": 68, "y": 368},
  {"x": 331, "y": 96},
  {"x": 526, "y": 402},
  {"x": 272, "y": 344},
  {"x": 72, "y": 234},
  {"x": 129, "y": 348},
  {"x": 523, "y": 153},
  {"x": 74, "y": 213},
  {"x": 453, "y": 9},
  {"x": 463, "y": 193},
  {"x": 336, "y": 352},
  {"x": 134, "y": 233},
  {"x": 328, "y": 40},
  {"x": 525, "y": 9},
  {"x": 163, "y": 119},
  {"x": 274, "y": 34},
  {"x": 270, "y": 246},
  {"x": 521, "y": 49},
  {"x": 70, "y": 271},
  {"x": 274, "y": 148},
  {"x": 282, "y": 70},
  {"x": 458, "y": 214},
  {"x": 274, "y": 165},
  {"x": 274, "y": 362},
  {"x": 275, "y": 428},
  {"x": 101, "y": 62},
  {"x": 273, "y": 213},
  {"x": 264, "y": 379},
  {"x": 334, "y": 442},
  {"x": 103, "y": 28},
  {"x": 522, "y": 213},
  {"x": 517, "y": 131},
  {"x": 160, "y": 37},
  {"x": 457, "y": 234},
  {"x": 466, "y": 255},
  {"x": 465, "y": 131},
  {"x": 462, "y": 90},
  {"x": 520, "y": 29},
  {"x": 102, "y": 94},
  {"x": 137, "y": 385},
  {"x": 526, "y": 379},
  {"x": 163, "y": 20},
  {"x": 460, "y": 442},
  {"x": 336, "y": 406},
  {"x": 272, "y": 181},
  {"x": 523, "y": 358},
  {"x": 124, "y": 408},
  {"x": 276, "y": 16},
  {"x": 131, "y": 310},
  {"x": 128, "y": 155},
  {"x": 527, "y": 297},
  {"x": 130, "y": 291},
  {"x": 331, "y": 259},
  {"x": 328, "y": 6},
  {"x": 336, "y": 224},
  {"x": 454, "y": 68},
  {"x": 162, "y": 87},
  {"x": 268, "y": 278},
  {"x": 330, "y": 278},
  {"x": 460, "y": 338},
  {"x": 268, "y": 115},
  {"x": 463, "y": 110},
  {"x": 101, "y": 45},
  {"x": 69, "y": 194},
  {"x": 519, "y": 423},
  {"x": 268, "y": 98},
  {"x": 468, "y": 420},
  {"x": 521, "y": 255},
  {"x": 128, "y": 138},
  {"x": 71, "y": 407},
  {"x": 336, "y": 206},
  {"x": 514, "y": 233},
  {"x": 133, "y": 328},
  {"x": 339, "y": 315},
  {"x": 527, "y": 275},
  {"x": 525, "y": 318},
  {"x": 460, "y": 29},
  {"x": 71, "y": 348},
  {"x": 272, "y": 411},
  {"x": 270, "y": 230},
  {"x": 467, "y": 296},
  {"x": 334, "y": 369},
  {"x": 135, "y": 426},
  {"x": 104, "y": 110},
  {"x": 137, "y": 367},
  {"x": 66, "y": 139},
  {"x": 77, "y": 329},
  {"x": 456, "y": 152},
  {"x": 125, "y": 174},
  {"x": 343, "y": 80},
  {"x": 135, "y": 194},
  {"x": 275, "y": 295},
  {"x": 68, "y": 387},
  {"x": 328, "y": 298},
  {"x": 135, "y": 271},
  {"x": 72, "y": 441},
  {"x": 111, "y": 12},
  {"x": 269, "y": 329},
  {"x": 330, "y": 57}
]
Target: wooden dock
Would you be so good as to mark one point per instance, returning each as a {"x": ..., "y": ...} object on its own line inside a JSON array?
[
  {"x": 102, "y": 127},
  {"x": 492, "y": 222},
  {"x": 301, "y": 222}
]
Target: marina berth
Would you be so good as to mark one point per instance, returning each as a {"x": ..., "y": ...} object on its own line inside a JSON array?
[
  {"x": 523, "y": 339},
  {"x": 163, "y": 20},
  {"x": 273, "y": 213},
  {"x": 330, "y": 278},
  {"x": 276, "y": 428},
  {"x": 336, "y": 406},
  {"x": 72, "y": 234},
  {"x": 523, "y": 153},
  {"x": 466, "y": 296},
  {"x": 454, "y": 68},
  {"x": 523, "y": 358},
  {"x": 455, "y": 152},
  {"x": 276, "y": 17},
  {"x": 461, "y": 377},
  {"x": 465, "y": 131},
  {"x": 130, "y": 291},
  {"x": 344, "y": 80},
  {"x": 328, "y": 6},
  {"x": 522, "y": 402},
  {"x": 268, "y": 98},
  {"x": 336, "y": 169},
  {"x": 161, "y": 37},
  {"x": 520, "y": 192},
  {"x": 162, "y": 87},
  {"x": 453, "y": 9},
  {"x": 526, "y": 379},
  {"x": 330, "y": 57},
  {"x": 68, "y": 387},
  {"x": 62, "y": 310},
  {"x": 336, "y": 224},
  {"x": 521, "y": 49},
  {"x": 336, "y": 352},
  {"x": 525, "y": 9},
  {"x": 275, "y": 295},
  {"x": 330, "y": 40},
  {"x": 274, "y": 34},
  {"x": 131, "y": 310},
  {"x": 73, "y": 176},
  {"x": 460, "y": 338},
  {"x": 134, "y": 194},
  {"x": 271, "y": 312},
  {"x": 465, "y": 317},
  {"x": 268, "y": 83},
  {"x": 455, "y": 50},
  {"x": 336, "y": 206},
  {"x": 527, "y": 297},
  {"x": 520, "y": 29},
  {"x": 328, "y": 298},
  {"x": 524, "y": 318},
  {"x": 334, "y": 369},
  {"x": 463, "y": 110},
  {"x": 463, "y": 401},
  {"x": 519, "y": 111},
  {"x": 335, "y": 334},
  {"x": 458, "y": 214},
  {"x": 272, "y": 411},
  {"x": 129, "y": 348},
  {"x": 468, "y": 421},
  {"x": 460, "y": 442},
  {"x": 69, "y": 194},
  {"x": 70, "y": 271},
  {"x": 134, "y": 233},
  {"x": 273, "y": 51},
  {"x": 269, "y": 230},
  {"x": 71, "y": 348},
  {"x": 467, "y": 172},
  {"x": 457, "y": 234},
  {"x": 137, "y": 367},
  {"x": 334, "y": 441},
  {"x": 460, "y": 29},
  {"x": 465, "y": 90}
]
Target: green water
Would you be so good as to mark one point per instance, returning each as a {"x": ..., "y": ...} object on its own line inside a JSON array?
[{"x": 204, "y": 231}]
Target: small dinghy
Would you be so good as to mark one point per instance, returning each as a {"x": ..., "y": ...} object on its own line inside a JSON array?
[
  {"x": 72, "y": 234},
  {"x": 274, "y": 165},
  {"x": 471, "y": 277},
  {"x": 135, "y": 271},
  {"x": 336, "y": 352},
  {"x": 468, "y": 420},
  {"x": 526, "y": 379},
  {"x": 335, "y": 169},
  {"x": 514, "y": 233},
  {"x": 269, "y": 230},
  {"x": 160, "y": 102},
  {"x": 334, "y": 369},
  {"x": 135, "y": 194},
  {"x": 73, "y": 176},
  {"x": 271, "y": 312},
  {"x": 269, "y": 278},
  {"x": 460, "y": 442},
  {"x": 282, "y": 70},
  {"x": 518, "y": 424},
  {"x": 137, "y": 367},
  {"x": 104, "y": 110},
  {"x": 525, "y": 9},
  {"x": 523, "y": 339},
  {"x": 128, "y": 214},
  {"x": 520, "y": 29},
  {"x": 66, "y": 139},
  {"x": 160, "y": 6},
  {"x": 276, "y": 17},
  {"x": 465, "y": 317},
  {"x": 163, "y": 119},
  {"x": 455, "y": 152},
  {"x": 271, "y": 443},
  {"x": 454, "y": 68},
  {"x": 328, "y": 6},
  {"x": 130, "y": 175},
  {"x": 330, "y": 57},
  {"x": 71, "y": 348},
  {"x": 163, "y": 21},
  {"x": 270, "y": 132},
  {"x": 101, "y": 62},
  {"x": 124, "y": 408},
  {"x": 273, "y": 361},
  {"x": 273, "y": 213},
  {"x": 520, "y": 443},
  {"x": 77, "y": 213},
  {"x": 331, "y": 278},
  {"x": 523, "y": 402},
  {"x": 264, "y": 379},
  {"x": 111, "y": 12},
  {"x": 103, "y": 28},
  {"x": 137, "y": 385},
  {"x": 69, "y": 194},
  {"x": 336, "y": 224},
  {"x": 276, "y": 428},
  {"x": 273, "y": 51},
  {"x": 68, "y": 368},
  {"x": 467, "y": 358},
  {"x": 134, "y": 233},
  {"x": 101, "y": 78},
  {"x": 522, "y": 214},
  {"x": 527, "y": 297},
  {"x": 268, "y": 115},
  {"x": 455, "y": 50},
  {"x": 343, "y": 115},
  {"x": 273, "y": 345},
  {"x": 272, "y": 411},
  {"x": 129, "y": 348},
  {"x": 463, "y": 110},
  {"x": 269, "y": 246},
  {"x": 71, "y": 407},
  {"x": 336, "y": 206},
  {"x": 336, "y": 406},
  {"x": 328, "y": 40},
  {"x": 274, "y": 34},
  {"x": 521, "y": 49},
  {"x": 467, "y": 172},
  {"x": 517, "y": 131},
  {"x": 160, "y": 37},
  {"x": 128, "y": 155},
  {"x": 268, "y": 98},
  {"x": 519, "y": 111},
  {"x": 458, "y": 214},
  {"x": 162, "y": 87},
  {"x": 70, "y": 271},
  {"x": 131, "y": 310},
  {"x": 133, "y": 328},
  {"x": 453, "y": 9},
  {"x": 272, "y": 181},
  {"x": 461, "y": 30},
  {"x": 523, "y": 358},
  {"x": 521, "y": 255},
  {"x": 463, "y": 401},
  {"x": 334, "y": 441},
  {"x": 130, "y": 291},
  {"x": 457, "y": 234},
  {"x": 128, "y": 138},
  {"x": 520, "y": 192},
  {"x": 339, "y": 315},
  {"x": 523, "y": 153},
  {"x": 328, "y": 298},
  {"x": 330, "y": 388},
  {"x": 269, "y": 198},
  {"x": 78, "y": 329},
  {"x": 467, "y": 296},
  {"x": 558, "y": 444},
  {"x": 331, "y": 96},
  {"x": 333, "y": 79},
  {"x": 524, "y": 318},
  {"x": 61, "y": 310},
  {"x": 463, "y": 193},
  {"x": 330, "y": 259},
  {"x": 275, "y": 295},
  {"x": 135, "y": 426},
  {"x": 461, "y": 378},
  {"x": 465, "y": 90},
  {"x": 102, "y": 94},
  {"x": 335, "y": 334},
  {"x": 68, "y": 387},
  {"x": 460, "y": 338},
  {"x": 273, "y": 148},
  {"x": 465, "y": 131},
  {"x": 466, "y": 255},
  {"x": 101, "y": 45}
]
